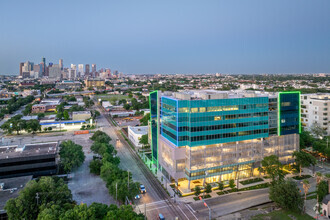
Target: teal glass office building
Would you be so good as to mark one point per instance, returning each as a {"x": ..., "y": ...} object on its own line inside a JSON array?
[{"x": 199, "y": 136}]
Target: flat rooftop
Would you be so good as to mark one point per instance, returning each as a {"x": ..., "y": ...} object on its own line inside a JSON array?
[
  {"x": 11, "y": 188},
  {"x": 216, "y": 94},
  {"x": 139, "y": 130},
  {"x": 323, "y": 96},
  {"x": 81, "y": 112},
  {"x": 14, "y": 151}
]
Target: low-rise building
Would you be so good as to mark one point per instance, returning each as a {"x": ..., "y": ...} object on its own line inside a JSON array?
[
  {"x": 31, "y": 159},
  {"x": 94, "y": 82},
  {"x": 46, "y": 105},
  {"x": 122, "y": 113},
  {"x": 64, "y": 125},
  {"x": 68, "y": 85},
  {"x": 9, "y": 189},
  {"x": 315, "y": 110},
  {"x": 135, "y": 134}
]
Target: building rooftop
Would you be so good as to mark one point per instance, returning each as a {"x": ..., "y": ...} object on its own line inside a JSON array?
[
  {"x": 14, "y": 151},
  {"x": 30, "y": 117},
  {"x": 323, "y": 96},
  {"x": 51, "y": 101},
  {"x": 11, "y": 188},
  {"x": 81, "y": 112},
  {"x": 216, "y": 94},
  {"x": 139, "y": 130}
]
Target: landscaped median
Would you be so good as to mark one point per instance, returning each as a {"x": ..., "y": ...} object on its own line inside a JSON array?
[
  {"x": 259, "y": 186},
  {"x": 204, "y": 197},
  {"x": 250, "y": 181},
  {"x": 301, "y": 177}
]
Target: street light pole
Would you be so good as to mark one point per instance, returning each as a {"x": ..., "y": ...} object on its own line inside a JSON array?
[
  {"x": 116, "y": 192},
  {"x": 128, "y": 179}
]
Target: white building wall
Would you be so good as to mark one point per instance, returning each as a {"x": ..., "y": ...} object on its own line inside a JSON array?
[
  {"x": 134, "y": 137},
  {"x": 315, "y": 109}
]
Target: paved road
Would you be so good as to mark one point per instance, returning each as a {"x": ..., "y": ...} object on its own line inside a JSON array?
[
  {"x": 154, "y": 200},
  {"x": 230, "y": 203}
]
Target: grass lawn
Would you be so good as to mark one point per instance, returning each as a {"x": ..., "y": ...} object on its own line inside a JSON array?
[
  {"x": 108, "y": 97},
  {"x": 282, "y": 215}
]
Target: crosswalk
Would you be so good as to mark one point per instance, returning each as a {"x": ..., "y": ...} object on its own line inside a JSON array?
[{"x": 162, "y": 206}]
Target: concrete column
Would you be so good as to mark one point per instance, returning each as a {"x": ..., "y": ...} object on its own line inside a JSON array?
[{"x": 188, "y": 184}]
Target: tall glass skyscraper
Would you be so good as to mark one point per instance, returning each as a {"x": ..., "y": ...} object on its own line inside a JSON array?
[{"x": 199, "y": 136}]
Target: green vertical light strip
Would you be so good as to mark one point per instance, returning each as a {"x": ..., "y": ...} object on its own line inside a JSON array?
[
  {"x": 279, "y": 110},
  {"x": 279, "y": 114},
  {"x": 156, "y": 122},
  {"x": 157, "y": 128}
]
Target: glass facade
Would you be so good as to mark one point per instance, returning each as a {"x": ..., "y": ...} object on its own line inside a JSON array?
[
  {"x": 154, "y": 124},
  {"x": 205, "y": 122},
  {"x": 289, "y": 113},
  {"x": 224, "y": 138}
]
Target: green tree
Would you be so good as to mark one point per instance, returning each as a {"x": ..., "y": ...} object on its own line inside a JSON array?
[
  {"x": 197, "y": 190},
  {"x": 322, "y": 190},
  {"x": 125, "y": 212},
  {"x": 273, "y": 167},
  {"x": 95, "y": 114},
  {"x": 127, "y": 106},
  {"x": 33, "y": 126},
  {"x": 144, "y": 140},
  {"x": 145, "y": 119},
  {"x": 71, "y": 155},
  {"x": 66, "y": 115},
  {"x": 100, "y": 136},
  {"x": 232, "y": 184},
  {"x": 95, "y": 166},
  {"x": 208, "y": 188},
  {"x": 27, "y": 110},
  {"x": 306, "y": 139},
  {"x": 221, "y": 186},
  {"x": 41, "y": 115},
  {"x": 51, "y": 191},
  {"x": 54, "y": 212},
  {"x": 317, "y": 131},
  {"x": 286, "y": 194},
  {"x": 303, "y": 159}
]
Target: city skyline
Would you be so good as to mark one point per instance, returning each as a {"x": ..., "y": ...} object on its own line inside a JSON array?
[{"x": 181, "y": 37}]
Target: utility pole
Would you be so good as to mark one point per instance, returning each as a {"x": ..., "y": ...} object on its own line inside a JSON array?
[
  {"x": 128, "y": 179},
  {"x": 210, "y": 213},
  {"x": 116, "y": 192},
  {"x": 37, "y": 197}
]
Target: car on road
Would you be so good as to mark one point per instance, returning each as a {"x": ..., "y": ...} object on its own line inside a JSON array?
[
  {"x": 160, "y": 216},
  {"x": 143, "y": 189},
  {"x": 137, "y": 197}
]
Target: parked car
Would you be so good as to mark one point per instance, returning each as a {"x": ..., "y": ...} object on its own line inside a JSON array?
[
  {"x": 143, "y": 189},
  {"x": 161, "y": 217}
]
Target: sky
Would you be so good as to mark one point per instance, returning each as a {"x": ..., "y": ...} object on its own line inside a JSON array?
[{"x": 172, "y": 36}]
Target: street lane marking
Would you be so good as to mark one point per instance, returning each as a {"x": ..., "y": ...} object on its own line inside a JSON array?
[
  {"x": 183, "y": 212},
  {"x": 157, "y": 208},
  {"x": 191, "y": 209}
]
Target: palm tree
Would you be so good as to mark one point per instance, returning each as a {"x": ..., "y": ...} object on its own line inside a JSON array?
[
  {"x": 319, "y": 178},
  {"x": 306, "y": 187},
  {"x": 327, "y": 177}
]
